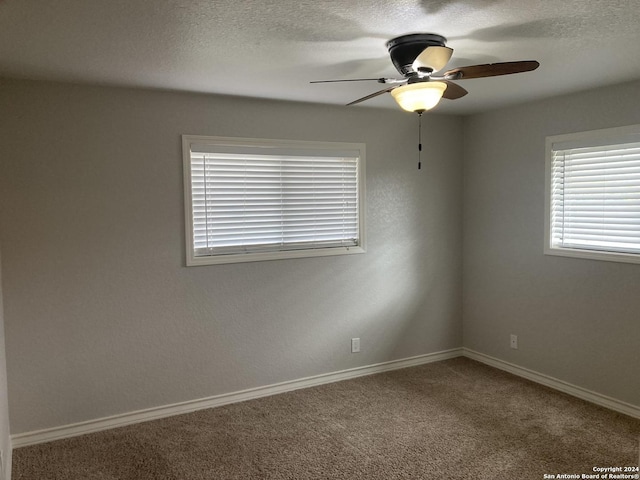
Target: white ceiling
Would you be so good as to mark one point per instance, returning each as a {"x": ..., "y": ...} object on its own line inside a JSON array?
[{"x": 273, "y": 48}]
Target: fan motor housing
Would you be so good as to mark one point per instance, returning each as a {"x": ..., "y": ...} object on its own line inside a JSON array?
[{"x": 406, "y": 48}]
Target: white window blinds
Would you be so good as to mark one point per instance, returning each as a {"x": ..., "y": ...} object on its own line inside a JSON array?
[
  {"x": 260, "y": 199},
  {"x": 595, "y": 196}
]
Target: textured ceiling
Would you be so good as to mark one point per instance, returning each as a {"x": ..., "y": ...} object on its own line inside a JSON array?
[{"x": 273, "y": 49}]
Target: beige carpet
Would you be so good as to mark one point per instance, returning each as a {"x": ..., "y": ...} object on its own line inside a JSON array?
[{"x": 456, "y": 419}]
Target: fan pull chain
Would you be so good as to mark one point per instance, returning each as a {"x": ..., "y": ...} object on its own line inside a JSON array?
[{"x": 419, "y": 140}]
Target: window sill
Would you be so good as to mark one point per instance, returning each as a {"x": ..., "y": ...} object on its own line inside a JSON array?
[
  {"x": 266, "y": 256},
  {"x": 593, "y": 255}
]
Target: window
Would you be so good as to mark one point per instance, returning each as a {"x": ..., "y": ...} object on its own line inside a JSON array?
[
  {"x": 253, "y": 199},
  {"x": 593, "y": 195}
]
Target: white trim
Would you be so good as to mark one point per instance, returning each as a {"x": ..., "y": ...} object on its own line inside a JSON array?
[
  {"x": 607, "y": 136},
  {"x": 556, "y": 384},
  {"x": 200, "y": 143},
  {"x": 90, "y": 426},
  {"x": 593, "y": 254}
]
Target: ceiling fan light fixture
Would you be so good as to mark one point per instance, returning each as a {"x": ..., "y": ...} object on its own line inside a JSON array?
[
  {"x": 432, "y": 59},
  {"x": 418, "y": 97}
]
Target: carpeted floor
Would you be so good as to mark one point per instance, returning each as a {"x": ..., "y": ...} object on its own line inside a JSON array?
[{"x": 456, "y": 419}]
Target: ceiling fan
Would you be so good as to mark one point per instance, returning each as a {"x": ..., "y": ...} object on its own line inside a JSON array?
[{"x": 419, "y": 57}]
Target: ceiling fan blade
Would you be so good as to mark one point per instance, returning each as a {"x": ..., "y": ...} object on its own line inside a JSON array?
[
  {"x": 453, "y": 91},
  {"x": 432, "y": 59},
  {"x": 491, "y": 70},
  {"x": 379, "y": 80},
  {"x": 371, "y": 96}
]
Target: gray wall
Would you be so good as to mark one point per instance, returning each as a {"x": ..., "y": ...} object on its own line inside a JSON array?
[
  {"x": 5, "y": 441},
  {"x": 101, "y": 315},
  {"x": 576, "y": 320}
]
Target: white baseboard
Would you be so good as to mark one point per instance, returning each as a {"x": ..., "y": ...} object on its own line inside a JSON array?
[
  {"x": 574, "y": 390},
  {"x": 67, "y": 431}
]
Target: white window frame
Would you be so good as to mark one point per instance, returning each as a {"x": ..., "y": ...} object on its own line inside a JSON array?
[
  {"x": 609, "y": 136},
  {"x": 235, "y": 144}
]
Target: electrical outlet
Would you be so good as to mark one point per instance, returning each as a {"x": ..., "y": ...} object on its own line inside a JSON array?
[
  {"x": 514, "y": 341},
  {"x": 355, "y": 345}
]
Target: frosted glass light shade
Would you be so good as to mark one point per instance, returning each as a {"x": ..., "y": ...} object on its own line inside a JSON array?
[
  {"x": 420, "y": 96},
  {"x": 433, "y": 58}
]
